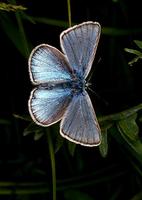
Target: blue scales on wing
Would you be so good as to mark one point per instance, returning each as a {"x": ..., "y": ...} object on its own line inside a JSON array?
[
  {"x": 79, "y": 123},
  {"x": 48, "y": 65},
  {"x": 79, "y": 43},
  {"x": 47, "y": 106}
]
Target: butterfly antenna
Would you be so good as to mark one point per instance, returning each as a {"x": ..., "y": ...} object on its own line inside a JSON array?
[
  {"x": 98, "y": 96},
  {"x": 92, "y": 72}
]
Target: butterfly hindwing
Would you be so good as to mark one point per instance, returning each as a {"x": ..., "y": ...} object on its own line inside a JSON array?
[
  {"x": 47, "y": 106},
  {"x": 79, "y": 123}
]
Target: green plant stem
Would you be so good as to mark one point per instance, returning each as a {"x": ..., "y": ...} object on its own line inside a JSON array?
[
  {"x": 22, "y": 31},
  {"x": 69, "y": 12},
  {"x": 23, "y": 36},
  {"x": 53, "y": 166}
]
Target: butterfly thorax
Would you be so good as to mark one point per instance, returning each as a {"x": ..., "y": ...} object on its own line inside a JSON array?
[{"x": 78, "y": 84}]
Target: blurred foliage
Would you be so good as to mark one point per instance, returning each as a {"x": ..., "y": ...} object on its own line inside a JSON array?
[
  {"x": 31, "y": 156},
  {"x": 136, "y": 53},
  {"x": 10, "y": 7}
]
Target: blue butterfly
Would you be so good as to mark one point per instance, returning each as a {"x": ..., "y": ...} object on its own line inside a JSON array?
[{"x": 60, "y": 84}]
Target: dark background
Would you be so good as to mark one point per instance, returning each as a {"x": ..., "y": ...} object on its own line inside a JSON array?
[{"x": 118, "y": 85}]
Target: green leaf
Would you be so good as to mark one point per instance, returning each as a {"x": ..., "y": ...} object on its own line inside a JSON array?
[
  {"x": 23, "y": 117},
  {"x": 119, "y": 116},
  {"x": 12, "y": 31},
  {"x": 11, "y": 7},
  {"x": 103, "y": 147},
  {"x": 140, "y": 119},
  {"x": 116, "y": 32},
  {"x": 5, "y": 122},
  {"x": 77, "y": 195},
  {"x": 38, "y": 134},
  {"x": 126, "y": 133},
  {"x": 71, "y": 147},
  {"x": 16, "y": 31},
  {"x": 32, "y": 128},
  {"x": 132, "y": 143},
  {"x": 138, "y": 196},
  {"x": 59, "y": 142},
  {"x": 138, "y": 43},
  {"x": 52, "y": 22},
  {"x": 133, "y": 51},
  {"x": 134, "y": 60},
  {"x": 136, "y": 148},
  {"x": 27, "y": 17},
  {"x": 129, "y": 127}
]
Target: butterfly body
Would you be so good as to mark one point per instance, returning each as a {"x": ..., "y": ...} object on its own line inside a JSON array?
[{"x": 60, "y": 80}]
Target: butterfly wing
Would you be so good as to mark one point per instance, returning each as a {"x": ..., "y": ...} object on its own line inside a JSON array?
[
  {"x": 47, "y": 106},
  {"x": 79, "y": 43},
  {"x": 79, "y": 123},
  {"x": 47, "y": 64}
]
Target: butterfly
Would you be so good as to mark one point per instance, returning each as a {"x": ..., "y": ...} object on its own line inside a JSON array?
[{"x": 60, "y": 85}]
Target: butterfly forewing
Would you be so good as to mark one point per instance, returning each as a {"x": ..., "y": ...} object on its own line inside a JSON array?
[
  {"x": 79, "y": 43},
  {"x": 47, "y": 64},
  {"x": 79, "y": 123},
  {"x": 47, "y": 106}
]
